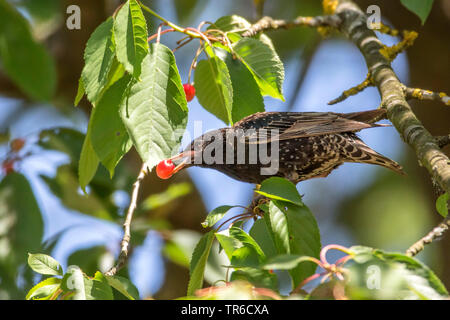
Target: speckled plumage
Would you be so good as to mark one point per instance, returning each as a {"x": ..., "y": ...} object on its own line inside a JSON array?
[{"x": 311, "y": 144}]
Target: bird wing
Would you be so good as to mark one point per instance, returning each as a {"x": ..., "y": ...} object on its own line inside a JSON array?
[{"x": 292, "y": 125}]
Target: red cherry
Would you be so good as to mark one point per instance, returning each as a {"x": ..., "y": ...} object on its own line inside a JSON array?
[
  {"x": 8, "y": 166},
  {"x": 17, "y": 144},
  {"x": 164, "y": 169},
  {"x": 189, "y": 90}
]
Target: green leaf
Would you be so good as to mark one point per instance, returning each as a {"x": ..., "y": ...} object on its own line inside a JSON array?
[
  {"x": 259, "y": 278},
  {"x": 124, "y": 286},
  {"x": 235, "y": 25},
  {"x": 214, "y": 89},
  {"x": 263, "y": 237},
  {"x": 245, "y": 239},
  {"x": 44, "y": 264},
  {"x": 421, "y": 8},
  {"x": 214, "y": 216},
  {"x": 98, "y": 57},
  {"x": 155, "y": 111},
  {"x": 280, "y": 189},
  {"x": 65, "y": 186},
  {"x": 400, "y": 276},
  {"x": 240, "y": 248},
  {"x": 24, "y": 60},
  {"x": 130, "y": 36},
  {"x": 442, "y": 204},
  {"x": 84, "y": 287},
  {"x": 88, "y": 164},
  {"x": 44, "y": 289},
  {"x": 80, "y": 92},
  {"x": 247, "y": 98},
  {"x": 173, "y": 192},
  {"x": 284, "y": 262},
  {"x": 264, "y": 63},
  {"x": 277, "y": 224},
  {"x": 198, "y": 262},
  {"x": 62, "y": 139},
  {"x": 109, "y": 136},
  {"x": 21, "y": 220},
  {"x": 304, "y": 239},
  {"x": 175, "y": 253}
]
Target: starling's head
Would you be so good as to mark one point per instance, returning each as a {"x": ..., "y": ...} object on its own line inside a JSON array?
[{"x": 194, "y": 155}]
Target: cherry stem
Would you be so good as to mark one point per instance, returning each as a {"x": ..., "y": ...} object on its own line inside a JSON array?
[{"x": 325, "y": 249}]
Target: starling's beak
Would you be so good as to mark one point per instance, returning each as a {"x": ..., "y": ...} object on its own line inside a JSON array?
[{"x": 185, "y": 157}]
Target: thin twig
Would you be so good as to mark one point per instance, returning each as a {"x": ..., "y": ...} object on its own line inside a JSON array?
[
  {"x": 123, "y": 256},
  {"x": 437, "y": 232},
  {"x": 422, "y": 94},
  {"x": 267, "y": 23},
  {"x": 354, "y": 90}
]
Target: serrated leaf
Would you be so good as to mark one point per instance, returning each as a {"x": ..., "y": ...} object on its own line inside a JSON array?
[
  {"x": 304, "y": 239},
  {"x": 124, "y": 286},
  {"x": 280, "y": 189},
  {"x": 264, "y": 63},
  {"x": 24, "y": 60},
  {"x": 442, "y": 204},
  {"x": 44, "y": 289},
  {"x": 214, "y": 216},
  {"x": 277, "y": 224},
  {"x": 44, "y": 264},
  {"x": 155, "y": 110},
  {"x": 235, "y": 25},
  {"x": 214, "y": 89},
  {"x": 198, "y": 262},
  {"x": 421, "y": 8},
  {"x": 130, "y": 36},
  {"x": 109, "y": 136},
  {"x": 98, "y": 57},
  {"x": 247, "y": 98}
]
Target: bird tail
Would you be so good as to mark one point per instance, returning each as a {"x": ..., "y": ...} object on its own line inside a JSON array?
[{"x": 362, "y": 153}]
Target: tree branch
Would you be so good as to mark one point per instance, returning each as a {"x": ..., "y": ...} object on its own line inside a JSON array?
[
  {"x": 422, "y": 94},
  {"x": 437, "y": 232},
  {"x": 123, "y": 256},
  {"x": 354, "y": 26},
  {"x": 267, "y": 23}
]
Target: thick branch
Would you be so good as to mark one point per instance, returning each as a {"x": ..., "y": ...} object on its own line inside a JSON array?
[{"x": 354, "y": 26}]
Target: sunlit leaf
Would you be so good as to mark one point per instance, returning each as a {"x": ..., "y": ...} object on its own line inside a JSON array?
[
  {"x": 155, "y": 110},
  {"x": 198, "y": 262},
  {"x": 44, "y": 289},
  {"x": 264, "y": 63},
  {"x": 130, "y": 37},
  {"x": 98, "y": 57},
  {"x": 44, "y": 264},
  {"x": 214, "y": 89}
]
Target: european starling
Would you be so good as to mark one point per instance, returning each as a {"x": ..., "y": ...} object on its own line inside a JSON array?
[{"x": 307, "y": 145}]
